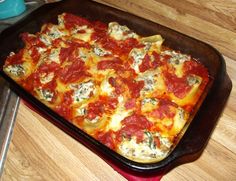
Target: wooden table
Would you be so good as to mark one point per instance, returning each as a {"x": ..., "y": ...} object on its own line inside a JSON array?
[{"x": 40, "y": 151}]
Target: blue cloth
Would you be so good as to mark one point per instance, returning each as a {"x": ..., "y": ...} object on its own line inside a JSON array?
[{"x": 10, "y": 8}]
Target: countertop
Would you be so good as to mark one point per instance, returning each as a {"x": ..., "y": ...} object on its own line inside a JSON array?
[{"x": 40, "y": 151}]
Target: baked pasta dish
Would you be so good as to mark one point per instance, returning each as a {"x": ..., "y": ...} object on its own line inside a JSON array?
[{"x": 127, "y": 91}]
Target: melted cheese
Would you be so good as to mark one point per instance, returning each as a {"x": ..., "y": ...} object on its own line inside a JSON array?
[
  {"x": 145, "y": 151},
  {"x": 45, "y": 39},
  {"x": 41, "y": 50},
  {"x": 153, "y": 43},
  {"x": 85, "y": 36},
  {"x": 177, "y": 61},
  {"x": 100, "y": 51},
  {"x": 54, "y": 55},
  {"x": 180, "y": 120},
  {"x": 118, "y": 116},
  {"x": 119, "y": 32},
  {"x": 106, "y": 88},
  {"x": 153, "y": 83},
  {"x": 61, "y": 87},
  {"x": 53, "y": 32},
  {"x": 44, "y": 94},
  {"x": 137, "y": 54},
  {"x": 46, "y": 78},
  {"x": 19, "y": 71},
  {"x": 190, "y": 98},
  {"x": 83, "y": 91},
  {"x": 149, "y": 104},
  {"x": 15, "y": 71},
  {"x": 84, "y": 54}
]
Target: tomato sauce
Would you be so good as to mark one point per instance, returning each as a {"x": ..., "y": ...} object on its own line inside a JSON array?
[
  {"x": 117, "y": 84},
  {"x": 74, "y": 72},
  {"x": 111, "y": 45},
  {"x": 64, "y": 109},
  {"x": 121, "y": 48},
  {"x": 34, "y": 54},
  {"x": 176, "y": 85},
  {"x": 165, "y": 109},
  {"x": 32, "y": 40},
  {"x": 131, "y": 103},
  {"x": 107, "y": 138},
  {"x": 193, "y": 67},
  {"x": 157, "y": 60},
  {"x": 120, "y": 85},
  {"x": 127, "y": 45},
  {"x": 146, "y": 64},
  {"x": 162, "y": 112},
  {"x": 99, "y": 26},
  {"x": 48, "y": 67},
  {"x": 65, "y": 53},
  {"x": 134, "y": 86},
  {"x": 103, "y": 105},
  {"x": 115, "y": 64},
  {"x": 134, "y": 125},
  {"x": 31, "y": 82},
  {"x": 15, "y": 59},
  {"x": 71, "y": 21}
]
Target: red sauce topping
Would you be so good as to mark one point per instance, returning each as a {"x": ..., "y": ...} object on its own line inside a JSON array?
[
  {"x": 131, "y": 103},
  {"x": 74, "y": 72},
  {"x": 31, "y": 40},
  {"x": 69, "y": 53},
  {"x": 64, "y": 109},
  {"x": 16, "y": 58},
  {"x": 134, "y": 87},
  {"x": 103, "y": 105},
  {"x": 65, "y": 53},
  {"x": 115, "y": 64},
  {"x": 72, "y": 21},
  {"x": 31, "y": 82},
  {"x": 50, "y": 85},
  {"x": 35, "y": 54},
  {"x": 157, "y": 60},
  {"x": 99, "y": 26},
  {"x": 117, "y": 84},
  {"x": 107, "y": 138},
  {"x": 178, "y": 86},
  {"x": 127, "y": 45},
  {"x": 46, "y": 68},
  {"x": 134, "y": 125},
  {"x": 147, "y": 63},
  {"x": 164, "y": 110},
  {"x": 122, "y": 47},
  {"x": 110, "y": 44},
  {"x": 195, "y": 68},
  {"x": 98, "y": 35}
]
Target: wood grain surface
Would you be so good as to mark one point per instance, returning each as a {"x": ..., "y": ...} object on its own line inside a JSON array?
[{"x": 40, "y": 151}]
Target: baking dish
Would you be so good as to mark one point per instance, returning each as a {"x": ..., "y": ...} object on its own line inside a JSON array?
[{"x": 198, "y": 132}]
